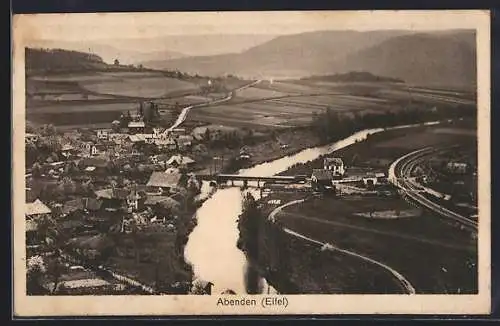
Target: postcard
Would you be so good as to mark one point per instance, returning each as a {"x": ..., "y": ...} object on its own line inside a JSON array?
[{"x": 251, "y": 163}]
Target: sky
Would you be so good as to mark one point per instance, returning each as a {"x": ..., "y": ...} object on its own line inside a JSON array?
[{"x": 101, "y": 26}]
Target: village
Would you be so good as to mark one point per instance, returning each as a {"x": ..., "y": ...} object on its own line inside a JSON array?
[
  {"x": 83, "y": 188},
  {"x": 97, "y": 201}
]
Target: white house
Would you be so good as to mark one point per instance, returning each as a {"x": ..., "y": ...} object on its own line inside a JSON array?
[
  {"x": 31, "y": 138},
  {"x": 103, "y": 134},
  {"x": 334, "y": 164}
]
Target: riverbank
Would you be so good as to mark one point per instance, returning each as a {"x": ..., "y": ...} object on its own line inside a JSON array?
[
  {"x": 294, "y": 266},
  {"x": 450, "y": 254},
  {"x": 267, "y": 147},
  {"x": 224, "y": 209}
]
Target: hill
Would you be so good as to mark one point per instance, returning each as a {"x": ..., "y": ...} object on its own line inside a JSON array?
[
  {"x": 423, "y": 59},
  {"x": 126, "y": 51},
  {"x": 58, "y": 60},
  {"x": 287, "y": 56},
  {"x": 431, "y": 58}
]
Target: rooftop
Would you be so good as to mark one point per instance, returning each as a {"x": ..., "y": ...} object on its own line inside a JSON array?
[
  {"x": 36, "y": 208},
  {"x": 162, "y": 179},
  {"x": 112, "y": 193},
  {"x": 165, "y": 201},
  {"x": 136, "y": 124},
  {"x": 179, "y": 159}
]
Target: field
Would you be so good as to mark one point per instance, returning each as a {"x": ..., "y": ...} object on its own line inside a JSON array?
[
  {"x": 147, "y": 87},
  {"x": 278, "y": 104},
  {"x": 381, "y": 149},
  {"x": 99, "y": 97},
  {"x": 282, "y": 104},
  {"x": 434, "y": 256}
]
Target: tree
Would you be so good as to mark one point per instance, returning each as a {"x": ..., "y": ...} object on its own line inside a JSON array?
[
  {"x": 135, "y": 232},
  {"x": 34, "y": 273},
  {"x": 115, "y": 125},
  {"x": 48, "y": 130},
  {"x": 207, "y": 135},
  {"x": 53, "y": 242},
  {"x": 248, "y": 224},
  {"x": 36, "y": 170},
  {"x": 116, "y": 62}
]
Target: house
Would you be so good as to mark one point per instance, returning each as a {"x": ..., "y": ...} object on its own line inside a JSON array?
[
  {"x": 91, "y": 164},
  {"x": 113, "y": 198},
  {"x": 81, "y": 205},
  {"x": 178, "y": 131},
  {"x": 159, "y": 159},
  {"x": 30, "y": 138},
  {"x": 162, "y": 205},
  {"x": 457, "y": 167},
  {"x": 244, "y": 155},
  {"x": 179, "y": 160},
  {"x": 158, "y": 133},
  {"x": 36, "y": 210},
  {"x": 137, "y": 138},
  {"x": 103, "y": 134},
  {"x": 67, "y": 150},
  {"x": 134, "y": 200},
  {"x": 98, "y": 149},
  {"x": 185, "y": 141},
  {"x": 168, "y": 144},
  {"x": 163, "y": 182},
  {"x": 321, "y": 178},
  {"x": 334, "y": 164},
  {"x": 135, "y": 127},
  {"x": 117, "y": 138},
  {"x": 91, "y": 149}
]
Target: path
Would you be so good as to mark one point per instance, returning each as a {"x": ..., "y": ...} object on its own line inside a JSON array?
[
  {"x": 408, "y": 287},
  {"x": 183, "y": 115}
]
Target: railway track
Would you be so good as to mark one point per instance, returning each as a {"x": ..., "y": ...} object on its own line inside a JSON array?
[{"x": 399, "y": 172}]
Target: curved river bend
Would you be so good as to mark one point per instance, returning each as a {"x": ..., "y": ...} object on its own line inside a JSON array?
[{"x": 211, "y": 248}]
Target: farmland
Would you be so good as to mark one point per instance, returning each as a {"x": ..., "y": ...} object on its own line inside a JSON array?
[
  {"x": 96, "y": 97},
  {"x": 103, "y": 95},
  {"x": 281, "y": 104},
  {"x": 147, "y": 87}
]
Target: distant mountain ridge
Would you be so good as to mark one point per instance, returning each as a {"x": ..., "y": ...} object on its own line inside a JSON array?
[{"x": 427, "y": 58}]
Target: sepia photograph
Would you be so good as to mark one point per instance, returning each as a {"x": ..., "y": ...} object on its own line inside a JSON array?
[{"x": 196, "y": 163}]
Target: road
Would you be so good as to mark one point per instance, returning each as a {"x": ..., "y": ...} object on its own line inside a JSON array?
[
  {"x": 405, "y": 284},
  {"x": 183, "y": 115},
  {"x": 399, "y": 173}
]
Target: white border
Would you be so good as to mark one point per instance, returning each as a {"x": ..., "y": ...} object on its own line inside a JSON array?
[{"x": 28, "y": 27}]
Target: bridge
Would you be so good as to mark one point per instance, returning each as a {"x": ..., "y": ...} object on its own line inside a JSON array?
[{"x": 224, "y": 178}]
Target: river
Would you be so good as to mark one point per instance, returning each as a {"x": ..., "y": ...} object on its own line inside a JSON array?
[{"x": 211, "y": 248}]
